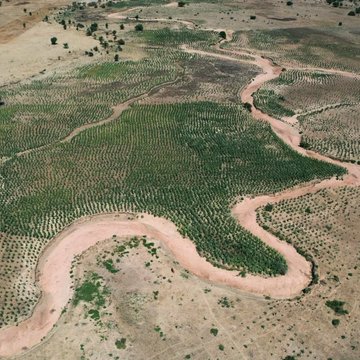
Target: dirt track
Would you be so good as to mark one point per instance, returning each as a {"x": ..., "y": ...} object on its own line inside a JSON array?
[{"x": 55, "y": 263}]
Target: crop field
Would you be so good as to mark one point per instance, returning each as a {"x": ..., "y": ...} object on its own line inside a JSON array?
[
  {"x": 334, "y": 132},
  {"x": 327, "y": 119},
  {"x": 326, "y": 48},
  {"x": 302, "y": 91},
  {"x": 203, "y": 160},
  {"x": 43, "y": 111},
  {"x": 206, "y": 79},
  {"x": 148, "y": 109},
  {"x": 18, "y": 293}
]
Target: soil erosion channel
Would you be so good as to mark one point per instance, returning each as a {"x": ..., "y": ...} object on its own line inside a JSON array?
[{"x": 53, "y": 270}]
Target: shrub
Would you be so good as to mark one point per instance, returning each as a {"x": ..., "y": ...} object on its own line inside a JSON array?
[
  {"x": 222, "y": 34},
  {"x": 181, "y": 3},
  {"x": 337, "y": 306},
  {"x": 139, "y": 27},
  {"x": 335, "y": 322},
  {"x": 53, "y": 40},
  {"x": 121, "y": 344},
  {"x": 247, "y": 106},
  {"x": 351, "y": 13}
]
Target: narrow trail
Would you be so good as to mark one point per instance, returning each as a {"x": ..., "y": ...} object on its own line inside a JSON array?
[
  {"x": 117, "y": 111},
  {"x": 53, "y": 269}
]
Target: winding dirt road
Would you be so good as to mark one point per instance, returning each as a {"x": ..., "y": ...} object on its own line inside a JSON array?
[{"x": 53, "y": 271}]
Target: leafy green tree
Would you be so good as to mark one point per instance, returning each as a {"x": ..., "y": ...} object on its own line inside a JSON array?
[
  {"x": 222, "y": 34},
  {"x": 53, "y": 40}
]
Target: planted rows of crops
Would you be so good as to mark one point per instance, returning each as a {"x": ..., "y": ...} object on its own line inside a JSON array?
[
  {"x": 324, "y": 225},
  {"x": 44, "y": 111},
  {"x": 207, "y": 79},
  {"x": 334, "y": 132},
  {"x": 170, "y": 37},
  {"x": 18, "y": 259},
  {"x": 303, "y": 47},
  {"x": 186, "y": 162},
  {"x": 329, "y": 121},
  {"x": 303, "y": 91}
]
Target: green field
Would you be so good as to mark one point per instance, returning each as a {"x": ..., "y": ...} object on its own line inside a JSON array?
[
  {"x": 303, "y": 46},
  {"x": 186, "y": 162}
]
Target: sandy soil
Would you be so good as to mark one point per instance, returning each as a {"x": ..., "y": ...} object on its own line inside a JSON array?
[
  {"x": 53, "y": 272},
  {"x": 32, "y": 52}
]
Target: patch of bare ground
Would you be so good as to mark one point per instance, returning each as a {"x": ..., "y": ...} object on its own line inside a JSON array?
[{"x": 160, "y": 311}]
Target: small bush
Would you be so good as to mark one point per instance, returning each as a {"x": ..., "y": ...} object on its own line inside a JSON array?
[
  {"x": 139, "y": 27},
  {"x": 222, "y": 34},
  {"x": 337, "y": 306},
  {"x": 53, "y": 40},
  {"x": 121, "y": 344}
]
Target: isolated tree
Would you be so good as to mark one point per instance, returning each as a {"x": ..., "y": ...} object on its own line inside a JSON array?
[
  {"x": 351, "y": 13},
  {"x": 66, "y": 45},
  {"x": 93, "y": 27},
  {"x": 53, "y": 40},
  {"x": 139, "y": 27},
  {"x": 247, "y": 106},
  {"x": 116, "y": 57},
  {"x": 122, "y": 27},
  {"x": 222, "y": 34},
  {"x": 181, "y": 3}
]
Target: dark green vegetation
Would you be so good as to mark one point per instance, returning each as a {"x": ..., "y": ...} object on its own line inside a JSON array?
[
  {"x": 91, "y": 291},
  {"x": 121, "y": 343},
  {"x": 109, "y": 265},
  {"x": 337, "y": 306},
  {"x": 271, "y": 103},
  {"x": 186, "y": 162}
]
